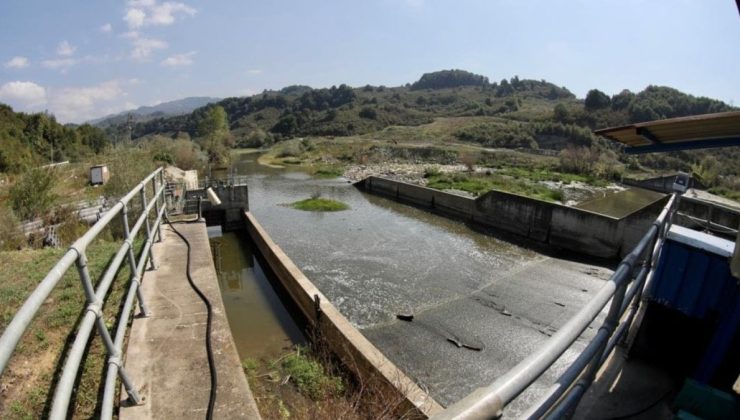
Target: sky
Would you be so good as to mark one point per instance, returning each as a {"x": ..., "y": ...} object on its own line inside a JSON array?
[{"x": 85, "y": 59}]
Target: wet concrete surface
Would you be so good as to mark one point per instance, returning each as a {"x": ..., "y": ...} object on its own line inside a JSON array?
[{"x": 381, "y": 258}]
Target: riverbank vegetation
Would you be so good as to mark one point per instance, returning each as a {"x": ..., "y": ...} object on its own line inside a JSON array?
[
  {"x": 319, "y": 204},
  {"x": 309, "y": 382}
]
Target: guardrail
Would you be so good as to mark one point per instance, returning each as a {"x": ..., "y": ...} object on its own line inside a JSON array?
[
  {"x": 94, "y": 298},
  {"x": 624, "y": 289}
]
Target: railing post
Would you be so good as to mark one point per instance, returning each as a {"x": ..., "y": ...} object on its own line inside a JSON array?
[
  {"x": 156, "y": 207},
  {"x": 610, "y": 324},
  {"x": 96, "y": 307},
  {"x": 132, "y": 261},
  {"x": 152, "y": 263}
]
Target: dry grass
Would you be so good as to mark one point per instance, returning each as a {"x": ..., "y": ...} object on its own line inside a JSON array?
[
  {"x": 336, "y": 391},
  {"x": 29, "y": 380}
]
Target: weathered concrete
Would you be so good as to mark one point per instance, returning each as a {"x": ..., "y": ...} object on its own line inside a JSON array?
[
  {"x": 166, "y": 354},
  {"x": 356, "y": 352},
  {"x": 555, "y": 225},
  {"x": 234, "y": 202}
]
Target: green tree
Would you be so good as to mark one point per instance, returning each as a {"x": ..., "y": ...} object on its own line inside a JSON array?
[
  {"x": 561, "y": 113},
  {"x": 32, "y": 195},
  {"x": 216, "y": 137},
  {"x": 596, "y": 99}
]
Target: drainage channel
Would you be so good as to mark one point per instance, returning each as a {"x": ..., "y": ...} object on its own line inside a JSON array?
[{"x": 263, "y": 321}]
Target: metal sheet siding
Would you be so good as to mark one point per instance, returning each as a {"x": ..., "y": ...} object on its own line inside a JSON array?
[{"x": 699, "y": 284}]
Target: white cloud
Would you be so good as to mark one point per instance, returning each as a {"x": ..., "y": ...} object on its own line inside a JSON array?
[
  {"x": 134, "y": 18},
  {"x": 27, "y": 94},
  {"x": 142, "y": 3},
  {"x": 254, "y": 71},
  {"x": 179, "y": 60},
  {"x": 83, "y": 103},
  {"x": 66, "y": 49},
  {"x": 62, "y": 64},
  {"x": 149, "y": 12},
  {"x": 17, "y": 62},
  {"x": 164, "y": 14},
  {"x": 106, "y": 28},
  {"x": 143, "y": 47}
]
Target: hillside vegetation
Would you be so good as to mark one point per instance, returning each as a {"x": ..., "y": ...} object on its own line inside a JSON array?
[{"x": 442, "y": 109}]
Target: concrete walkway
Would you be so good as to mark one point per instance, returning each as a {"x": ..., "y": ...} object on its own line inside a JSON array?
[{"x": 166, "y": 354}]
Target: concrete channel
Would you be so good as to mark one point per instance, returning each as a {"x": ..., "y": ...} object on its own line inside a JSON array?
[
  {"x": 480, "y": 303},
  {"x": 166, "y": 353}
]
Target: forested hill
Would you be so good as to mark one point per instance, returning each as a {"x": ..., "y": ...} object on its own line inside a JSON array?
[
  {"x": 162, "y": 110},
  {"x": 35, "y": 139},
  {"x": 511, "y": 113},
  {"x": 343, "y": 110}
]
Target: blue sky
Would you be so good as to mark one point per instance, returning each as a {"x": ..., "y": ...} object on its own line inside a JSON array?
[{"x": 85, "y": 59}]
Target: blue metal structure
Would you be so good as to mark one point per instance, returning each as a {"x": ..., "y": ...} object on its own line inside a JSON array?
[{"x": 693, "y": 277}]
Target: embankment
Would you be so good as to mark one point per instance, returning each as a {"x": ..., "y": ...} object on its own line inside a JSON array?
[
  {"x": 355, "y": 351},
  {"x": 555, "y": 225}
]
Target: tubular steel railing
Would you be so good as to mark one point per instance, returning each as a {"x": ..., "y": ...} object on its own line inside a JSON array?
[
  {"x": 624, "y": 289},
  {"x": 93, "y": 312}
]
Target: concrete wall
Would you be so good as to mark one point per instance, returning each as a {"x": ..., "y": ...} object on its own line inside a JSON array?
[
  {"x": 716, "y": 213},
  {"x": 662, "y": 184},
  {"x": 356, "y": 352},
  {"x": 552, "y": 224},
  {"x": 230, "y": 214}
]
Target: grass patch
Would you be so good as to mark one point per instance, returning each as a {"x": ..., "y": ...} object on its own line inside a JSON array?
[
  {"x": 480, "y": 184},
  {"x": 328, "y": 172},
  {"x": 319, "y": 204},
  {"x": 30, "y": 375},
  {"x": 726, "y": 192},
  {"x": 309, "y": 376}
]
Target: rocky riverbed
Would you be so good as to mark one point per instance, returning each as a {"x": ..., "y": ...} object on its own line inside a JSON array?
[{"x": 413, "y": 173}]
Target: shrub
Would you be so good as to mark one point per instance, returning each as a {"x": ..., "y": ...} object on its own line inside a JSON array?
[
  {"x": 11, "y": 237},
  {"x": 127, "y": 168},
  {"x": 310, "y": 377},
  {"x": 32, "y": 195}
]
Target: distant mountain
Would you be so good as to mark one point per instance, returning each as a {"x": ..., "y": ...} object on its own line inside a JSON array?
[{"x": 165, "y": 109}]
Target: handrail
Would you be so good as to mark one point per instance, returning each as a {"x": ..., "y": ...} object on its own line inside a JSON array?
[
  {"x": 489, "y": 401},
  {"x": 94, "y": 298}
]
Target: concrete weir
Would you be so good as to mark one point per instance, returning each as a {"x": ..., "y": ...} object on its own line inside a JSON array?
[
  {"x": 554, "y": 225},
  {"x": 166, "y": 355},
  {"x": 356, "y": 352}
]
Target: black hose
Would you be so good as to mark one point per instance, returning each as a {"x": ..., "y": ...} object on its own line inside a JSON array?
[{"x": 209, "y": 350}]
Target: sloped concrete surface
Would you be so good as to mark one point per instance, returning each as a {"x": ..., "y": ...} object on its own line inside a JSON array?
[{"x": 166, "y": 354}]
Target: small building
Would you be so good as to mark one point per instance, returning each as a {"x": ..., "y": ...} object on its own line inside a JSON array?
[{"x": 99, "y": 174}]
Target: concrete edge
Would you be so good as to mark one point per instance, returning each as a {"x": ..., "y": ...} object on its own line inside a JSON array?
[{"x": 356, "y": 351}]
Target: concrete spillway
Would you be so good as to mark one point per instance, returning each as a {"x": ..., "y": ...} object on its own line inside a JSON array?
[{"x": 382, "y": 258}]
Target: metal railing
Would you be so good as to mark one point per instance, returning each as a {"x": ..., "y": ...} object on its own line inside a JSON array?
[
  {"x": 93, "y": 311},
  {"x": 624, "y": 289}
]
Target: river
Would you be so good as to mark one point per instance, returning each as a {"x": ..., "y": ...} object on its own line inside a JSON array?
[{"x": 381, "y": 258}]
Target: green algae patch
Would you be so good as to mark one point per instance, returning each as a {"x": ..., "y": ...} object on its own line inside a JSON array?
[{"x": 319, "y": 204}]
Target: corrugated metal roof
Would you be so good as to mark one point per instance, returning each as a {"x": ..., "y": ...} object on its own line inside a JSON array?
[{"x": 699, "y": 131}]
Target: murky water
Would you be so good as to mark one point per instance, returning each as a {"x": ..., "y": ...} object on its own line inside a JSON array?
[
  {"x": 260, "y": 323},
  {"x": 621, "y": 203},
  {"x": 379, "y": 257}
]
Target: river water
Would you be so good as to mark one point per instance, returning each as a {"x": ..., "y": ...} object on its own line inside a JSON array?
[{"x": 381, "y": 258}]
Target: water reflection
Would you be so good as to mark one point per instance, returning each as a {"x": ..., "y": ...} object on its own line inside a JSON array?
[{"x": 260, "y": 323}]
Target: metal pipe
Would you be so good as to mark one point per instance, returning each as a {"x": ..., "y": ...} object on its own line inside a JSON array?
[
  {"x": 489, "y": 401},
  {"x": 155, "y": 192},
  {"x": 114, "y": 366},
  {"x": 22, "y": 319},
  {"x": 152, "y": 265}
]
